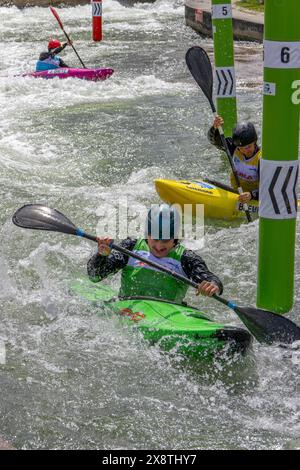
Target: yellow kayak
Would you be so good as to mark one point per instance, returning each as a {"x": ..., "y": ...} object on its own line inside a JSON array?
[{"x": 220, "y": 201}]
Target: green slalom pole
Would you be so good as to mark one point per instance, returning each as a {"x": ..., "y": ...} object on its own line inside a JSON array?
[
  {"x": 224, "y": 63},
  {"x": 279, "y": 164}
]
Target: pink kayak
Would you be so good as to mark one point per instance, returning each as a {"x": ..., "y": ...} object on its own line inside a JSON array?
[{"x": 84, "y": 74}]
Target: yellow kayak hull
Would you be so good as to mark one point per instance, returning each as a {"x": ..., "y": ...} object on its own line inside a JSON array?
[{"x": 219, "y": 203}]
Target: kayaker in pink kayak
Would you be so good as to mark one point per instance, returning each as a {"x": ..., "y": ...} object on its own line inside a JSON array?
[
  {"x": 245, "y": 153},
  {"x": 141, "y": 279},
  {"x": 51, "y": 60}
]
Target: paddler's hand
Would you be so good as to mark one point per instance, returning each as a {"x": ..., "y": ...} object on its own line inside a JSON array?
[
  {"x": 245, "y": 197},
  {"x": 207, "y": 288},
  {"x": 218, "y": 122},
  {"x": 103, "y": 245},
  {"x": 68, "y": 43}
]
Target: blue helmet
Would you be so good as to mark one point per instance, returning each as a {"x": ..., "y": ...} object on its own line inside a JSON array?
[{"x": 163, "y": 222}]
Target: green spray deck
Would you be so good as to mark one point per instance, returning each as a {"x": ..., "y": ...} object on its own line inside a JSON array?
[{"x": 175, "y": 327}]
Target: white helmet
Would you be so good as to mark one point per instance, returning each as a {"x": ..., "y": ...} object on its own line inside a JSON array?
[{"x": 163, "y": 222}]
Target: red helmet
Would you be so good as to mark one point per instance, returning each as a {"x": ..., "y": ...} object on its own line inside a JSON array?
[{"x": 53, "y": 44}]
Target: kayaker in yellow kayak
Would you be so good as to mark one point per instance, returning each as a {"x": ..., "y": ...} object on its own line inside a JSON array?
[
  {"x": 245, "y": 153},
  {"x": 141, "y": 279}
]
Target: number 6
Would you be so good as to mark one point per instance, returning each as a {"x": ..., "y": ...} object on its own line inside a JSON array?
[{"x": 285, "y": 55}]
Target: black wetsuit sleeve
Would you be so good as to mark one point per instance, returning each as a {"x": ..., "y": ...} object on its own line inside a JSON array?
[
  {"x": 214, "y": 138},
  {"x": 196, "y": 270},
  {"x": 99, "y": 267}
]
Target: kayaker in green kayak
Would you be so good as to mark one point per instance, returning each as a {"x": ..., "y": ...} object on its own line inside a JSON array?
[
  {"x": 139, "y": 279},
  {"x": 245, "y": 153}
]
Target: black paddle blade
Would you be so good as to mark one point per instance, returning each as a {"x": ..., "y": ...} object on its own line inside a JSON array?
[
  {"x": 268, "y": 327},
  {"x": 39, "y": 217},
  {"x": 199, "y": 65}
]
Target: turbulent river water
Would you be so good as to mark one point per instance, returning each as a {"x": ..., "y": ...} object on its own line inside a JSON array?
[{"x": 75, "y": 377}]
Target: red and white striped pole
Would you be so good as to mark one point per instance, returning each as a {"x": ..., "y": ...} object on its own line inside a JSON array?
[{"x": 97, "y": 19}]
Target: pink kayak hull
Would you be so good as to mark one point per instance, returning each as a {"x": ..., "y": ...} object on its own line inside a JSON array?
[{"x": 84, "y": 74}]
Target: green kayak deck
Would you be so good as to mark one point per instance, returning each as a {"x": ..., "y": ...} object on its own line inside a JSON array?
[{"x": 173, "y": 326}]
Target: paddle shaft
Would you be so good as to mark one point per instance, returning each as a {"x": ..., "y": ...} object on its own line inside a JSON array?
[
  {"x": 65, "y": 33},
  {"x": 178, "y": 276},
  {"x": 67, "y": 36}
]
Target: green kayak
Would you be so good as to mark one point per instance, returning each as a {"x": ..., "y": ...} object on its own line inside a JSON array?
[{"x": 173, "y": 326}]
